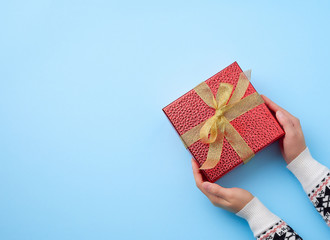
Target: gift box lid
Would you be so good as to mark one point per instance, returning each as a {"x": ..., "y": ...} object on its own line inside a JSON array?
[{"x": 258, "y": 126}]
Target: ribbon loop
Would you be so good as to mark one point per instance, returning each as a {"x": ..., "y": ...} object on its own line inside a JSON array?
[
  {"x": 210, "y": 127},
  {"x": 223, "y": 94},
  {"x": 206, "y": 94}
]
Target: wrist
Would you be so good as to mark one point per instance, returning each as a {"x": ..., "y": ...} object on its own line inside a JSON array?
[
  {"x": 299, "y": 148},
  {"x": 307, "y": 170},
  {"x": 258, "y": 216}
]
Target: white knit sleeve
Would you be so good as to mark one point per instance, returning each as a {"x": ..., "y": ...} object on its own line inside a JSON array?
[
  {"x": 315, "y": 180},
  {"x": 258, "y": 216},
  {"x": 264, "y": 224},
  {"x": 308, "y": 171}
]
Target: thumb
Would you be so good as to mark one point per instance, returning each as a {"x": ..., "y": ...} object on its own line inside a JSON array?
[
  {"x": 284, "y": 121},
  {"x": 215, "y": 189}
]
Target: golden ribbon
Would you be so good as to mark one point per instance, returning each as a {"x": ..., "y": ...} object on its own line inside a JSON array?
[{"x": 213, "y": 130}]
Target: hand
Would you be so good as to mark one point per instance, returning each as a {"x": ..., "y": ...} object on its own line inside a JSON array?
[
  {"x": 231, "y": 199},
  {"x": 293, "y": 142}
]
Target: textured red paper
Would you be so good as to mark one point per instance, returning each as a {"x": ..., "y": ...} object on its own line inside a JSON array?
[{"x": 258, "y": 127}]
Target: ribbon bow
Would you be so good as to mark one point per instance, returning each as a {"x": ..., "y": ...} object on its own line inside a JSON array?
[{"x": 213, "y": 130}]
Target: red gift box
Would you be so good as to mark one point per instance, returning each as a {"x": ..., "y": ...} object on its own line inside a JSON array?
[{"x": 258, "y": 127}]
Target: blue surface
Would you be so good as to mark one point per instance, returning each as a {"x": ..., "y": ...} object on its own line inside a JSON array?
[{"x": 86, "y": 152}]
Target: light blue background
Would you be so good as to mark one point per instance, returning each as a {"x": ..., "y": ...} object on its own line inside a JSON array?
[{"x": 87, "y": 153}]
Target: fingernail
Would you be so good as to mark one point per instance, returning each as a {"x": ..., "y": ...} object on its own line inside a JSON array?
[{"x": 280, "y": 114}]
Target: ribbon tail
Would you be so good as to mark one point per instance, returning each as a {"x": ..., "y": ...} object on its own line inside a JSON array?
[
  {"x": 237, "y": 142},
  {"x": 210, "y": 127},
  {"x": 214, "y": 153}
]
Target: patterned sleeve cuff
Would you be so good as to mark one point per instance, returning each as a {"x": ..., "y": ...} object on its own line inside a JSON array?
[
  {"x": 308, "y": 171},
  {"x": 258, "y": 216},
  {"x": 320, "y": 197},
  {"x": 278, "y": 231}
]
